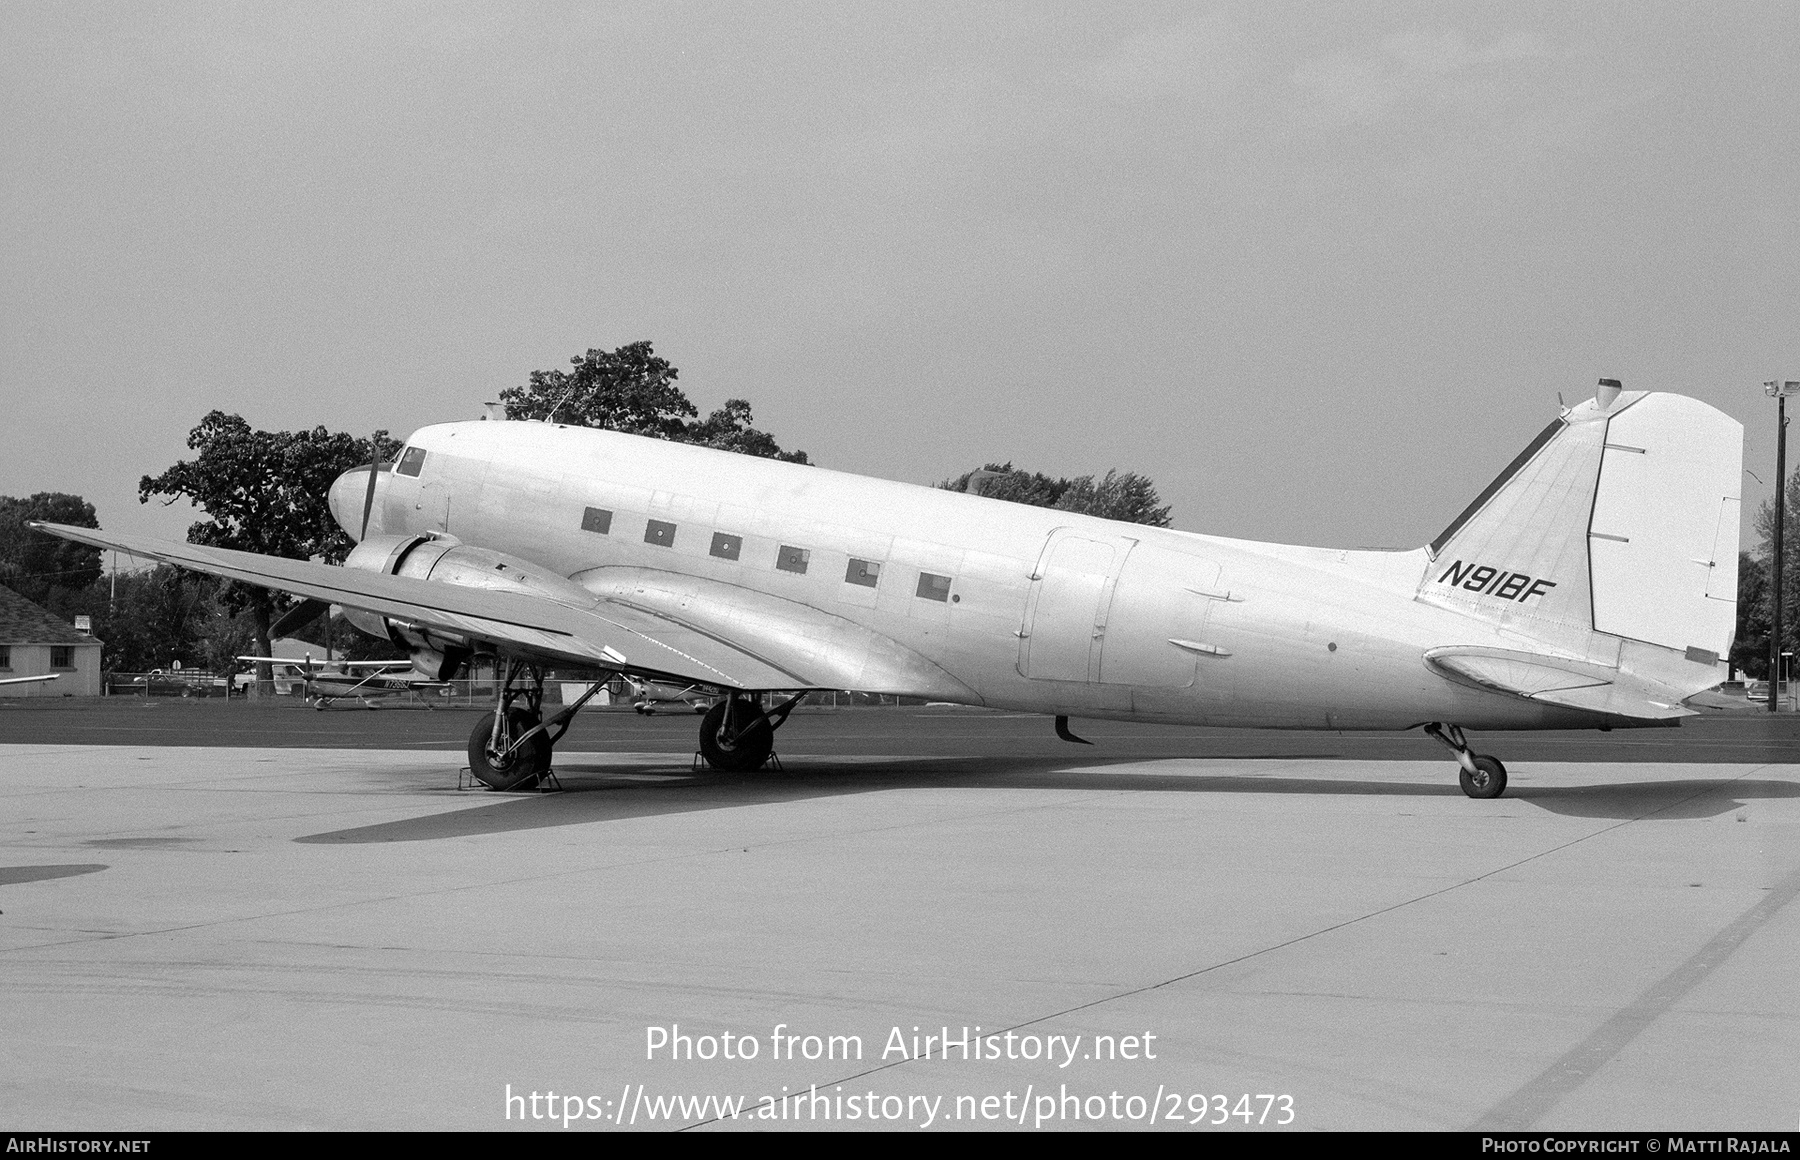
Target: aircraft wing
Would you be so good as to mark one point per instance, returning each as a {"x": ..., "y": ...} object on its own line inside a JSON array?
[
  {"x": 607, "y": 634},
  {"x": 27, "y": 680}
]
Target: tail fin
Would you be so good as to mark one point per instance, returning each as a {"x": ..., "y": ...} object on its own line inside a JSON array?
[{"x": 1619, "y": 521}]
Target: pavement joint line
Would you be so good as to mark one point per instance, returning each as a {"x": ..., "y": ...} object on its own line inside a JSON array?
[
  {"x": 1538, "y": 1095},
  {"x": 1580, "y": 1063},
  {"x": 1793, "y": 882}
]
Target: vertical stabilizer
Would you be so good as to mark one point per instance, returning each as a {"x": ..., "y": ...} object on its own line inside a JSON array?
[
  {"x": 1518, "y": 555},
  {"x": 1620, "y": 519}
]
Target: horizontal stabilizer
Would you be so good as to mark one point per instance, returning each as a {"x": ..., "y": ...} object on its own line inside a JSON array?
[
  {"x": 1558, "y": 681},
  {"x": 1616, "y": 701}
]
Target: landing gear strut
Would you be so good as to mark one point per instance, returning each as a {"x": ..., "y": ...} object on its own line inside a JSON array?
[
  {"x": 510, "y": 747},
  {"x": 1481, "y": 776}
]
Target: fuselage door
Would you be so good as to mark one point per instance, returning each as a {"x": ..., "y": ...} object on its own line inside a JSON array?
[{"x": 1064, "y": 629}]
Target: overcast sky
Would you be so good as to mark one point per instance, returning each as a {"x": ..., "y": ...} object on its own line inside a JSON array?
[{"x": 1319, "y": 270}]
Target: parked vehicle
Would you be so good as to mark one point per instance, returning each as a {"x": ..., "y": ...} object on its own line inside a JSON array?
[
  {"x": 1759, "y": 691},
  {"x": 175, "y": 683}
]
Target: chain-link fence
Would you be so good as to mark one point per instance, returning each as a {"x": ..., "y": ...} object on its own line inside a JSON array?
[{"x": 463, "y": 693}]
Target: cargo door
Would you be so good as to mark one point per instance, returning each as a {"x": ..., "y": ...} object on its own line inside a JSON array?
[{"x": 1065, "y": 616}]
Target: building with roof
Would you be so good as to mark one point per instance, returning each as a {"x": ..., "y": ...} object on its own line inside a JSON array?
[{"x": 34, "y": 643}]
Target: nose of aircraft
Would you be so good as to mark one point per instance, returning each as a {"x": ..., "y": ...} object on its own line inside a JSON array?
[{"x": 347, "y": 497}]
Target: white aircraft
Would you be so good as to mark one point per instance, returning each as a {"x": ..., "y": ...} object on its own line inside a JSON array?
[
  {"x": 1592, "y": 585},
  {"x": 330, "y": 681}
]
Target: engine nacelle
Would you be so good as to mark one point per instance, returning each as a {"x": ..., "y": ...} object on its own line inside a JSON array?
[{"x": 437, "y": 654}]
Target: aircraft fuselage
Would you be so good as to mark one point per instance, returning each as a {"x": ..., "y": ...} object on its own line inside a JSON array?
[{"x": 922, "y": 591}]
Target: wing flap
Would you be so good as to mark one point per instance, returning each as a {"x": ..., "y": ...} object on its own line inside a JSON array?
[{"x": 606, "y": 634}]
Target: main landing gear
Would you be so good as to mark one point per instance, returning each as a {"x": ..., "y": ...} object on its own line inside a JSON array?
[
  {"x": 1481, "y": 776},
  {"x": 510, "y": 747},
  {"x": 737, "y": 735}
]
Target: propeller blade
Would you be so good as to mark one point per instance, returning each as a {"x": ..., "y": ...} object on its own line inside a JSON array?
[
  {"x": 299, "y": 616},
  {"x": 369, "y": 497}
]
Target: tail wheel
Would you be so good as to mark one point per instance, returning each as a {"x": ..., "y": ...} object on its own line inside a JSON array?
[
  {"x": 741, "y": 746},
  {"x": 1488, "y": 780},
  {"x": 519, "y": 769}
]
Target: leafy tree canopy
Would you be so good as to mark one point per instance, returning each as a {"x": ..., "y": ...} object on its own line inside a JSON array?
[
  {"x": 265, "y": 492},
  {"x": 36, "y": 566},
  {"x": 1750, "y": 643},
  {"x": 1756, "y": 601},
  {"x": 1125, "y": 496},
  {"x": 632, "y": 390}
]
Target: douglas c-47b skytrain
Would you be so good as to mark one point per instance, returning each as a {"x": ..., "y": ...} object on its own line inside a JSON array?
[{"x": 1593, "y": 584}]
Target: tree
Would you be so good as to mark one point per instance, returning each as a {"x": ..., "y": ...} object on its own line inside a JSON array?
[
  {"x": 629, "y": 390},
  {"x": 1002, "y": 481},
  {"x": 1754, "y": 580},
  {"x": 265, "y": 492},
  {"x": 729, "y": 429},
  {"x": 1129, "y": 497},
  {"x": 155, "y": 617},
  {"x": 1750, "y": 642},
  {"x": 1125, "y": 496},
  {"x": 40, "y": 567},
  {"x": 632, "y": 390}
]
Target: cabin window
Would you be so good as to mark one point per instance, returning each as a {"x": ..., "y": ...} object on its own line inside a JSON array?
[
  {"x": 934, "y": 587},
  {"x": 596, "y": 520},
  {"x": 790, "y": 559},
  {"x": 62, "y": 657},
  {"x": 411, "y": 461},
  {"x": 727, "y": 547},
  {"x": 660, "y": 533},
  {"x": 864, "y": 572}
]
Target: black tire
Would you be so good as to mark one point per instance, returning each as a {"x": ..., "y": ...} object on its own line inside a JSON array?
[
  {"x": 520, "y": 770},
  {"x": 748, "y": 749},
  {"x": 1488, "y": 781}
]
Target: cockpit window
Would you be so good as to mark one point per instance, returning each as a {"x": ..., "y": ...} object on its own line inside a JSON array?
[{"x": 411, "y": 461}]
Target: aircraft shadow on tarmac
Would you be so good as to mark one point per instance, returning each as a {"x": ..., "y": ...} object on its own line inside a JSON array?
[
  {"x": 615, "y": 792},
  {"x": 12, "y": 875}
]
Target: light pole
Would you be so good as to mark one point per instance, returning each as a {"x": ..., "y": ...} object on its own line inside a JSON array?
[{"x": 1780, "y": 389}]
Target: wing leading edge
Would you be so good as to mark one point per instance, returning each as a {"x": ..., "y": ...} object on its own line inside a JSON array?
[{"x": 607, "y": 634}]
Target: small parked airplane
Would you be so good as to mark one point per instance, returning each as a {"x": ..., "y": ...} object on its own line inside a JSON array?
[
  {"x": 1592, "y": 585},
  {"x": 330, "y": 681},
  {"x": 649, "y": 696}
]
